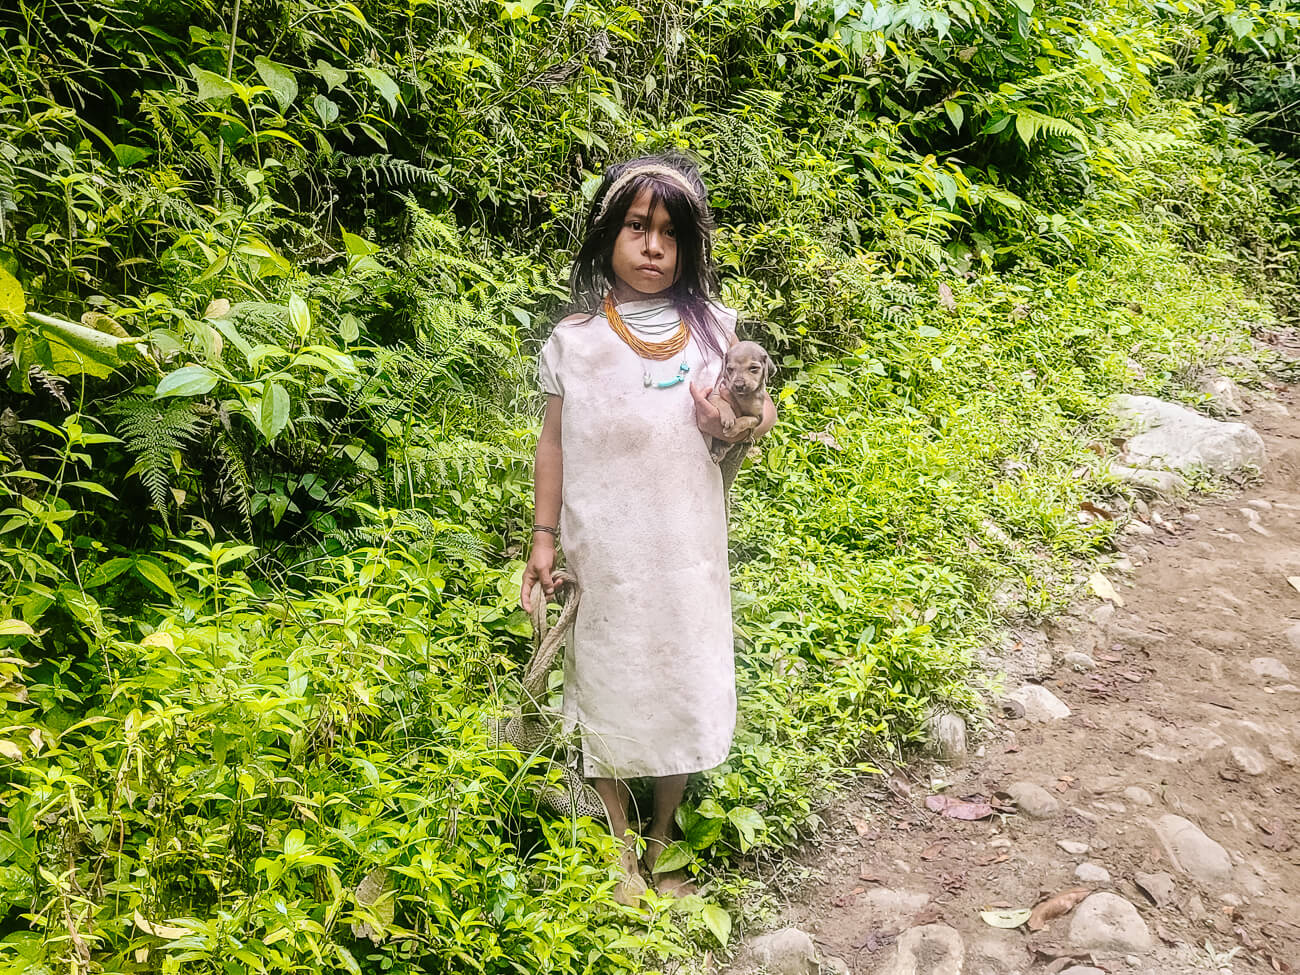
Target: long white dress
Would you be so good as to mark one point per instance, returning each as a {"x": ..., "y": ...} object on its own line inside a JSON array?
[{"x": 649, "y": 676}]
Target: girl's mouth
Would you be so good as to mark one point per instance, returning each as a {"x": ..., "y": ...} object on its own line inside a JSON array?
[{"x": 650, "y": 269}]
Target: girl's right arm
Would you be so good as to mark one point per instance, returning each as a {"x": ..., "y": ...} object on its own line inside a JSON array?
[{"x": 548, "y": 483}]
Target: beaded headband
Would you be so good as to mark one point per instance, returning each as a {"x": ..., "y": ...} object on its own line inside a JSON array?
[{"x": 649, "y": 169}]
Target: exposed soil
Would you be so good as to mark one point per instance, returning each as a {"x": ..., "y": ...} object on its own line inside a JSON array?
[{"x": 1193, "y": 710}]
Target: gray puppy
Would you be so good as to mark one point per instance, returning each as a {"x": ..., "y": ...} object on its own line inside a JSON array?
[{"x": 745, "y": 373}]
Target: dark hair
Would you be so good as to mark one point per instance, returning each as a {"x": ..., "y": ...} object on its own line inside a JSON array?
[{"x": 696, "y": 284}]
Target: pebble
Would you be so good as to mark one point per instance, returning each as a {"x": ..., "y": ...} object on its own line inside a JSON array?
[
  {"x": 1191, "y": 851},
  {"x": 1073, "y": 847},
  {"x": 1079, "y": 661},
  {"x": 1248, "y": 760},
  {"x": 1091, "y": 873},
  {"x": 1159, "y": 887},
  {"x": 1283, "y": 754},
  {"x": 1040, "y": 704},
  {"x": 1106, "y": 923},
  {"x": 1034, "y": 801},
  {"x": 930, "y": 949},
  {"x": 788, "y": 951},
  {"x": 1293, "y": 636},
  {"x": 1001, "y": 843},
  {"x": 893, "y": 905},
  {"x": 1082, "y": 970},
  {"x": 836, "y": 966},
  {"x": 1270, "y": 668},
  {"x": 1139, "y": 795},
  {"x": 1261, "y": 504}
]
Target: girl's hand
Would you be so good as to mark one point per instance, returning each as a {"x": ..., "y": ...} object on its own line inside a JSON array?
[
  {"x": 540, "y": 568},
  {"x": 709, "y": 420}
]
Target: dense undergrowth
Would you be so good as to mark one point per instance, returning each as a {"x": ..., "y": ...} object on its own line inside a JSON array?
[{"x": 271, "y": 279}]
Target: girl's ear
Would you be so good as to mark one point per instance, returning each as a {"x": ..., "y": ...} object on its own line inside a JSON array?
[{"x": 769, "y": 367}]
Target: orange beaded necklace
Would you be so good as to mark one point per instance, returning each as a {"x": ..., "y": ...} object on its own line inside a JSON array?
[{"x": 658, "y": 351}]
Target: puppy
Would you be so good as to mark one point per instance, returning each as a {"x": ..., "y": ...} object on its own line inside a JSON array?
[{"x": 741, "y": 392}]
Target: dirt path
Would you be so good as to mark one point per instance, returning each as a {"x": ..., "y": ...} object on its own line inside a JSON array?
[{"x": 1192, "y": 711}]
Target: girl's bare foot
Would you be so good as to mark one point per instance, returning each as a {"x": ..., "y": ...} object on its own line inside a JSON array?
[
  {"x": 631, "y": 886},
  {"x": 673, "y": 883}
]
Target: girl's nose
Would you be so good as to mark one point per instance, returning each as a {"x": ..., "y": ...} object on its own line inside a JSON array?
[{"x": 651, "y": 243}]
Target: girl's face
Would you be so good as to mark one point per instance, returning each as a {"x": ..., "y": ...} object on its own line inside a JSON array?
[{"x": 645, "y": 251}]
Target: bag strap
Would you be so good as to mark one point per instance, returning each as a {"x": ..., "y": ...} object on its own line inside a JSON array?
[{"x": 547, "y": 640}]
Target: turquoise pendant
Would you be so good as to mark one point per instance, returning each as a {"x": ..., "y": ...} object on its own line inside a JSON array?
[{"x": 682, "y": 370}]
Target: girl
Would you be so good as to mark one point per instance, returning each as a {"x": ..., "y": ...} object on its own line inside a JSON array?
[{"x": 623, "y": 472}]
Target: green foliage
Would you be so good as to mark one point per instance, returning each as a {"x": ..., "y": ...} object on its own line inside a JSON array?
[{"x": 271, "y": 279}]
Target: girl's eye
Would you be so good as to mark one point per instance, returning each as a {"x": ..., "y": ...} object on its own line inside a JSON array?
[{"x": 634, "y": 224}]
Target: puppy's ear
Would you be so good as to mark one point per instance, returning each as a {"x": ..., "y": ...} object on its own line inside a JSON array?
[{"x": 769, "y": 367}]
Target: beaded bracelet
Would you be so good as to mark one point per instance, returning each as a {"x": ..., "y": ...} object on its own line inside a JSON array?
[{"x": 546, "y": 528}]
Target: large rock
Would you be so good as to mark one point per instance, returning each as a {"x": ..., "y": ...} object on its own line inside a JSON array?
[
  {"x": 1164, "y": 484},
  {"x": 1192, "y": 852},
  {"x": 947, "y": 734},
  {"x": 931, "y": 949},
  {"x": 1040, "y": 704},
  {"x": 1174, "y": 437},
  {"x": 1108, "y": 924},
  {"x": 788, "y": 951}
]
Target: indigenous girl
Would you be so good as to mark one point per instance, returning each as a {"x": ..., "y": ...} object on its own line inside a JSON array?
[{"x": 623, "y": 474}]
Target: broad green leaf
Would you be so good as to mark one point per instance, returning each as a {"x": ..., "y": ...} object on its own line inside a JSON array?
[
  {"x": 274, "y": 414},
  {"x": 385, "y": 85},
  {"x": 333, "y": 76},
  {"x": 956, "y": 114},
  {"x": 325, "y": 108},
  {"x": 130, "y": 155},
  {"x": 186, "y": 381},
  {"x": 279, "y": 79},
  {"x": 674, "y": 858},
  {"x": 299, "y": 316},
  {"x": 747, "y": 822},
  {"x": 358, "y": 246},
  {"x": 15, "y": 628},
  {"x": 153, "y": 573},
  {"x": 718, "y": 922},
  {"x": 212, "y": 87},
  {"x": 1026, "y": 127},
  {"x": 12, "y": 300},
  {"x": 349, "y": 327},
  {"x": 73, "y": 348}
]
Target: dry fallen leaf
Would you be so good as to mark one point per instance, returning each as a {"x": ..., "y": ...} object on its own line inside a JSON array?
[
  {"x": 1102, "y": 589},
  {"x": 1055, "y": 906},
  {"x": 860, "y": 825},
  {"x": 933, "y": 850},
  {"x": 946, "y": 299},
  {"x": 1006, "y": 919},
  {"x": 955, "y": 808}
]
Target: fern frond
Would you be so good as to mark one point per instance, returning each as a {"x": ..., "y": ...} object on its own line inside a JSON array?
[
  {"x": 236, "y": 486},
  {"x": 155, "y": 432}
]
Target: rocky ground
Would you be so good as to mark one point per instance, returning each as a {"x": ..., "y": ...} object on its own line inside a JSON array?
[{"x": 1137, "y": 790}]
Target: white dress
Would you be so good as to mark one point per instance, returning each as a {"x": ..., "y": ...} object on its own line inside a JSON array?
[{"x": 649, "y": 676}]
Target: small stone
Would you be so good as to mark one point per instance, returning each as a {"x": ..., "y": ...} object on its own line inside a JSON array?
[
  {"x": 1260, "y": 504},
  {"x": 1001, "y": 843},
  {"x": 1139, "y": 795},
  {"x": 1106, "y": 923},
  {"x": 1138, "y": 528},
  {"x": 1079, "y": 661},
  {"x": 1270, "y": 668},
  {"x": 948, "y": 738},
  {"x": 1248, "y": 760},
  {"x": 1191, "y": 851},
  {"x": 1082, "y": 970},
  {"x": 1040, "y": 704},
  {"x": 1091, "y": 873},
  {"x": 1283, "y": 754},
  {"x": 1231, "y": 899},
  {"x": 1073, "y": 847},
  {"x": 930, "y": 949},
  {"x": 788, "y": 951},
  {"x": 1293, "y": 636},
  {"x": 1159, "y": 887},
  {"x": 1034, "y": 801},
  {"x": 836, "y": 966},
  {"x": 894, "y": 905}
]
